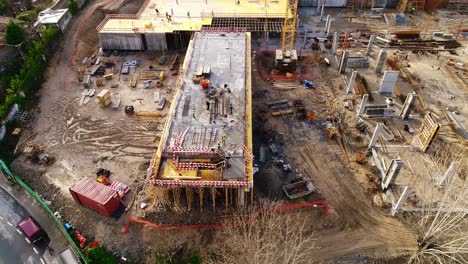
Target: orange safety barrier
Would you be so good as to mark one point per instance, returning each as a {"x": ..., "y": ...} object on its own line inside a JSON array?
[{"x": 252, "y": 217}]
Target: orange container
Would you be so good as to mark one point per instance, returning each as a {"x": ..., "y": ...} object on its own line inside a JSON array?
[{"x": 205, "y": 83}]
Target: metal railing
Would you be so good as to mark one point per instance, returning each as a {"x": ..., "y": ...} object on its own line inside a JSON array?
[{"x": 4, "y": 169}]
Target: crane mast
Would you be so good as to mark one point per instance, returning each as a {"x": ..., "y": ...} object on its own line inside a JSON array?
[{"x": 286, "y": 58}]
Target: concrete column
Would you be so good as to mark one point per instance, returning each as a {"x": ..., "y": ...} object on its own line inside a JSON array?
[
  {"x": 351, "y": 82},
  {"x": 319, "y": 2},
  {"x": 376, "y": 135},
  {"x": 369, "y": 46},
  {"x": 448, "y": 176},
  {"x": 392, "y": 173},
  {"x": 363, "y": 105},
  {"x": 344, "y": 61},
  {"x": 327, "y": 21},
  {"x": 335, "y": 44},
  {"x": 401, "y": 201},
  {"x": 322, "y": 11},
  {"x": 408, "y": 105},
  {"x": 389, "y": 80},
  {"x": 328, "y": 27},
  {"x": 381, "y": 61}
]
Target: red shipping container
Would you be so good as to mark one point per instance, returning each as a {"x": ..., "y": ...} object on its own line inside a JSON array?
[{"x": 95, "y": 195}]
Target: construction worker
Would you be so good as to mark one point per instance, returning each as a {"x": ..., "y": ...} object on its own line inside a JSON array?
[
  {"x": 157, "y": 11},
  {"x": 208, "y": 105},
  {"x": 188, "y": 14},
  {"x": 224, "y": 138},
  {"x": 219, "y": 144},
  {"x": 193, "y": 112},
  {"x": 231, "y": 108}
]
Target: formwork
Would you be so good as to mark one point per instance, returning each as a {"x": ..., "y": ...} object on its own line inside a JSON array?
[
  {"x": 161, "y": 25},
  {"x": 206, "y": 146}
]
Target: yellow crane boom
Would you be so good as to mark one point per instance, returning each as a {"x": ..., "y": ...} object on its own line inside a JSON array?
[{"x": 289, "y": 28}]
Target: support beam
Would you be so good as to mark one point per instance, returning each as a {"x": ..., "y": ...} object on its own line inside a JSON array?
[
  {"x": 335, "y": 44},
  {"x": 351, "y": 82},
  {"x": 408, "y": 105},
  {"x": 448, "y": 176},
  {"x": 392, "y": 173},
  {"x": 322, "y": 11},
  {"x": 401, "y": 201},
  {"x": 381, "y": 61},
  {"x": 328, "y": 27},
  {"x": 375, "y": 135},
  {"x": 343, "y": 61},
  {"x": 369, "y": 46},
  {"x": 326, "y": 22},
  {"x": 362, "y": 108}
]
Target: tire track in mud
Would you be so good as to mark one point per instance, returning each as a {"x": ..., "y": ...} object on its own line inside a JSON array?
[
  {"x": 123, "y": 137},
  {"x": 360, "y": 228}
]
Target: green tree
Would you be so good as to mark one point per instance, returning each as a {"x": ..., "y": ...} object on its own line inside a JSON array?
[
  {"x": 3, "y": 6},
  {"x": 14, "y": 33},
  {"x": 73, "y": 7}
]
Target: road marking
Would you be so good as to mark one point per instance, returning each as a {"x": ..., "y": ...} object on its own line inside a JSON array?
[
  {"x": 19, "y": 232},
  {"x": 27, "y": 240},
  {"x": 35, "y": 250},
  {"x": 42, "y": 261},
  {"x": 10, "y": 224}
]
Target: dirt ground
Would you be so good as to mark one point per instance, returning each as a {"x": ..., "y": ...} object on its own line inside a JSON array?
[{"x": 86, "y": 138}]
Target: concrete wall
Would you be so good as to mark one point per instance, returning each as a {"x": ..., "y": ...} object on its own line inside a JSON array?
[
  {"x": 155, "y": 41},
  {"x": 118, "y": 41},
  {"x": 64, "y": 21},
  {"x": 330, "y": 3}
]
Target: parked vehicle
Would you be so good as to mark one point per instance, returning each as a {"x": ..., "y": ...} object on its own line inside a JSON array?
[{"x": 31, "y": 229}]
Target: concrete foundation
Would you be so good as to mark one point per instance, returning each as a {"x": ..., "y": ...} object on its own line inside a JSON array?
[
  {"x": 351, "y": 82},
  {"x": 121, "y": 41},
  {"x": 408, "y": 105},
  {"x": 392, "y": 173},
  {"x": 369, "y": 46},
  {"x": 362, "y": 107},
  {"x": 343, "y": 62},
  {"x": 335, "y": 44}
]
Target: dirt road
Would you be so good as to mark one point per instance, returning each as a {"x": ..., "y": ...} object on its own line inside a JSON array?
[{"x": 359, "y": 228}]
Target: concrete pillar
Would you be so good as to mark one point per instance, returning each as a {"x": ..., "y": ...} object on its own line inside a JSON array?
[
  {"x": 376, "y": 135},
  {"x": 363, "y": 105},
  {"x": 401, "y": 201},
  {"x": 335, "y": 44},
  {"x": 344, "y": 61},
  {"x": 448, "y": 176},
  {"x": 319, "y": 3},
  {"x": 322, "y": 11},
  {"x": 328, "y": 27},
  {"x": 408, "y": 105},
  {"x": 351, "y": 82},
  {"x": 381, "y": 61},
  {"x": 392, "y": 173},
  {"x": 326, "y": 22},
  {"x": 389, "y": 80},
  {"x": 369, "y": 46}
]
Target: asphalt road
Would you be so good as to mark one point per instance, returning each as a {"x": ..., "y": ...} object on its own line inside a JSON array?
[{"x": 13, "y": 246}]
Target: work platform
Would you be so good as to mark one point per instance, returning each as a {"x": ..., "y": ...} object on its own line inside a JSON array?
[
  {"x": 207, "y": 140},
  {"x": 161, "y": 25}
]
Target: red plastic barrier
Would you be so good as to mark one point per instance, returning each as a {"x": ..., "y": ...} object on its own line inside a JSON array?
[{"x": 252, "y": 217}]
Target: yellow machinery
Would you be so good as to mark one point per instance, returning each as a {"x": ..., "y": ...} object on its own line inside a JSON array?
[{"x": 286, "y": 58}]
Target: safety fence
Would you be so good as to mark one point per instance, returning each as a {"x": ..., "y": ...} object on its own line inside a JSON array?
[
  {"x": 12, "y": 177},
  {"x": 250, "y": 219}
]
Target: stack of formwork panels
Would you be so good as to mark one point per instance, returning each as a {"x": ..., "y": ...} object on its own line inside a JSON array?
[{"x": 104, "y": 98}]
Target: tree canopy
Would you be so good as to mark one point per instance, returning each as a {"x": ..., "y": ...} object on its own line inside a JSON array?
[{"x": 14, "y": 33}]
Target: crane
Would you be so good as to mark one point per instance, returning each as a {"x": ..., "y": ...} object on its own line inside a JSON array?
[{"x": 286, "y": 58}]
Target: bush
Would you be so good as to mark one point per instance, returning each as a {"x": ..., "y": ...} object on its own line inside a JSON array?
[
  {"x": 73, "y": 7},
  {"x": 100, "y": 255},
  {"x": 14, "y": 34},
  {"x": 3, "y": 6}
]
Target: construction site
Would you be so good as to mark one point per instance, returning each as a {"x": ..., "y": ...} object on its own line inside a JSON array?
[{"x": 172, "y": 126}]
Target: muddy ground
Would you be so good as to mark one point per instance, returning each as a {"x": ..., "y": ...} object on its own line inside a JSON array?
[{"x": 83, "y": 139}]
